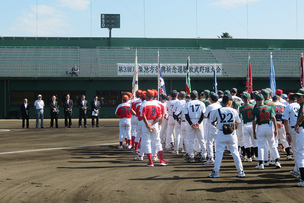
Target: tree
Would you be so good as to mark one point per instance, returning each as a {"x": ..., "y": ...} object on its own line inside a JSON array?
[{"x": 225, "y": 35}]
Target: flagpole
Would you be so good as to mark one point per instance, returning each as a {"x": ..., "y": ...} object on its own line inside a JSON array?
[
  {"x": 158, "y": 77},
  {"x": 302, "y": 71}
]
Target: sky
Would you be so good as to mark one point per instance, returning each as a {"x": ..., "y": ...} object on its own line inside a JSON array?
[{"x": 253, "y": 19}]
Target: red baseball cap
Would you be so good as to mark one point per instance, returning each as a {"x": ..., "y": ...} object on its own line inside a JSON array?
[
  {"x": 279, "y": 91},
  {"x": 143, "y": 93},
  {"x": 125, "y": 97},
  {"x": 155, "y": 92},
  {"x": 150, "y": 93},
  {"x": 290, "y": 94},
  {"x": 129, "y": 94}
]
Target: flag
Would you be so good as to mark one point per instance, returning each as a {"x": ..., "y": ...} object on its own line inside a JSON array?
[
  {"x": 272, "y": 77},
  {"x": 214, "y": 82},
  {"x": 135, "y": 76},
  {"x": 188, "y": 84},
  {"x": 249, "y": 78},
  {"x": 302, "y": 71},
  {"x": 161, "y": 82}
]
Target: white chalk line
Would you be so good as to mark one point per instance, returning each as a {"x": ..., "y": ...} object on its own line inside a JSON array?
[{"x": 56, "y": 148}]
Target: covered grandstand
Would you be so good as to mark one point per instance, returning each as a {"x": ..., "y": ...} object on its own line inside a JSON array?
[{"x": 39, "y": 65}]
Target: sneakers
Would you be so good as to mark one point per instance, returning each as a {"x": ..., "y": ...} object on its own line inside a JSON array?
[
  {"x": 155, "y": 158},
  {"x": 175, "y": 152},
  {"x": 150, "y": 165},
  {"x": 260, "y": 166},
  {"x": 139, "y": 158},
  {"x": 294, "y": 173},
  {"x": 129, "y": 147},
  {"x": 203, "y": 159},
  {"x": 186, "y": 156},
  {"x": 191, "y": 160},
  {"x": 247, "y": 159},
  {"x": 241, "y": 174},
  {"x": 119, "y": 147},
  {"x": 163, "y": 163},
  {"x": 272, "y": 163},
  {"x": 266, "y": 163},
  {"x": 126, "y": 145},
  {"x": 289, "y": 157},
  {"x": 301, "y": 183},
  {"x": 209, "y": 162},
  {"x": 278, "y": 165},
  {"x": 214, "y": 174},
  {"x": 181, "y": 150},
  {"x": 255, "y": 158}
]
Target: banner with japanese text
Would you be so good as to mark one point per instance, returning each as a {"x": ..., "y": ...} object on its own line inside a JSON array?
[{"x": 127, "y": 69}]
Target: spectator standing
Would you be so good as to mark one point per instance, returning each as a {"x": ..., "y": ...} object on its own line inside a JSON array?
[
  {"x": 83, "y": 108},
  {"x": 24, "y": 107},
  {"x": 54, "y": 110},
  {"x": 95, "y": 106},
  {"x": 68, "y": 106},
  {"x": 39, "y": 105}
]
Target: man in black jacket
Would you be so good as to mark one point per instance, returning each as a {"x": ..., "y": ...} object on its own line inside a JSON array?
[
  {"x": 24, "y": 107},
  {"x": 54, "y": 110},
  {"x": 95, "y": 106},
  {"x": 68, "y": 105},
  {"x": 83, "y": 108}
]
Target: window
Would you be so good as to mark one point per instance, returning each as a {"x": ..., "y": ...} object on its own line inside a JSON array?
[{"x": 110, "y": 98}]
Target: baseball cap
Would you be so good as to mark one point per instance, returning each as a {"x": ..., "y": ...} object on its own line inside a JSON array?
[
  {"x": 233, "y": 90},
  {"x": 125, "y": 97},
  {"x": 155, "y": 92},
  {"x": 150, "y": 93},
  {"x": 245, "y": 95},
  {"x": 182, "y": 94},
  {"x": 227, "y": 97},
  {"x": 300, "y": 92},
  {"x": 265, "y": 92},
  {"x": 220, "y": 93},
  {"x": 138, "y": 92},
  {"x": 290, "y": 94},
  {"x": 193, "y": 94},
  {"x": 206, "y": 92},
  {"x": 292, "y": 97},
  {"x": 259, "y": 97},
  {"x": 226, "y": 92},
  {"x": 213, "y": 97},
  {"x": 143, "y": 94},
  {"x": 269, "y": 90},
  {"x": 187, "y": 98},
  {"x": 284, "y": 96},
  {"x": 39, "y": 95},
  {"x": 279, "y": 91},
  {"x": 129, "y": 94},
  {"x": 173, "y": 93}
]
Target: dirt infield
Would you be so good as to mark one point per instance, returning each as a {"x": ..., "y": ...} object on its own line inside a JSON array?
[{"x": 84, "y": 165}]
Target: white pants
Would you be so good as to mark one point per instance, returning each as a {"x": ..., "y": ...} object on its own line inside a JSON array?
[
  {"x": 124, "y": 129},
  {"x": 148, "y": 137},
  {"x": 134, "y": 123},
  {"x": 265, "y": 135},
  {"x": 211, "y": 137},
  {"x": 249, "y": 141},
  {"x": 300, "y": 147},
  {"x": 282, "y": 137},
  {"x": 184, "y": 130},
  {"x": 163, "y": 130},
  {"x": 239, "y": 134},
  {"x": 139, "y": 130},
  {"x": 231, "y": 141},
  {"x": 170, "y": 132},
  {"x": 178, "y": 143},
  {"x": 293, "y": 135},
  {"x": 197, "y": 133}
]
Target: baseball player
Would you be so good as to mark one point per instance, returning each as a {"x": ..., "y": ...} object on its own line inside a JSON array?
[
  {"x": 171, "y": 123},
  {"x": 194, "y": 114},
  {"x": 226, "y": 120},
  {"x": 299, "y": 128},
  {"x": 163, "y": 130},
  {"x": 290, "y": 117},
  {"x": 139, "y": 157},
  {"x": 151, "y": 114},
  {"x": 134, "y": 120},
  {"x": 263, "y": 117},
  {"x": 124, "y": 112},
  {"x": 281, "y": 129},
  {"x": 178, "y": 144},
  {"x": 247, "y": 118},
  {"x": 211, "y": 133}
]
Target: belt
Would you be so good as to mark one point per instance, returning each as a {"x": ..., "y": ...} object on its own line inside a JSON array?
[
  {"x": 248, "y": 122},
  {"x": 183, "y": 120},
  {"x": 264, "y": 124},
  {"x": 292, "y": 127}
]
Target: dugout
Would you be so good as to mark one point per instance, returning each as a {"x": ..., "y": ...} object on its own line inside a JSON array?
[{"x": 31, "y": 66}]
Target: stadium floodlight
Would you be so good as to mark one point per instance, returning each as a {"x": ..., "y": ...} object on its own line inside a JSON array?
[{"x": 110, "y": 21}]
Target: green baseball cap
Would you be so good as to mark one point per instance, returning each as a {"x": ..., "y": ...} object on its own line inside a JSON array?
[
  {"x": 245, "y": 95},
  {"x": 259, "y": 97},
  {"x": 300, "y": 92},
  {"x": 207, "y": 92},
  {"x": 226, "y": 92},
  {"x": 265, "y": 92}
]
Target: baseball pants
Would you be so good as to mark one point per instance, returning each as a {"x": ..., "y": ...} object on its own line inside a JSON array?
[
  {"x": 300, "y": 147},
  {"x": 124, "y": 129},
  {"x": 211, "y": 137},
  {"x": 170, "y": 132},
  {"x": 197, "y": 133},
  {"x": 147, "y": 138}
]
